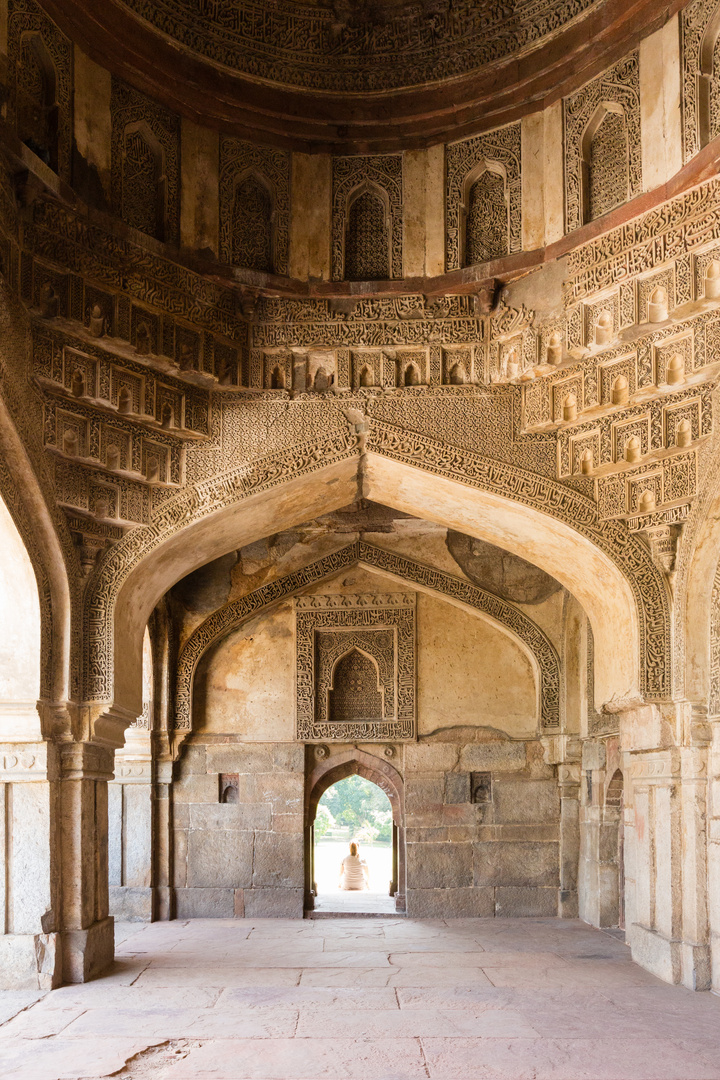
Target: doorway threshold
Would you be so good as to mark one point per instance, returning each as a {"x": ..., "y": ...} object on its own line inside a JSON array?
[
  {"x": 353, "y": 905},
  {"x": 315, "y": 914}
]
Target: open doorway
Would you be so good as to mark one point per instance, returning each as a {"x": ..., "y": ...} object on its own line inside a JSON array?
[
  {"x": 364, "y": 804},
  {"x": 354, "y": 822}
]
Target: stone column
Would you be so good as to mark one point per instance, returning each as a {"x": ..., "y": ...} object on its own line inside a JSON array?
[
  {"x": 87, "y": 928},
  {"x": 162, "y": 837},
  {"x": 713, "y": 852},
  {"x": 130, "y": 805},
  {"x": 569, "y": 784},
  {"x": 665, "y": 766},
  {"x": 30, "y": 948}
]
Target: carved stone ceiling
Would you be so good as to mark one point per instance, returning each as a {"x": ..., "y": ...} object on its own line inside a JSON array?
[{"x": 361, "y": 75}]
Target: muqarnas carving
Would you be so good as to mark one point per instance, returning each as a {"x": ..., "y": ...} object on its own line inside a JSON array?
[
  {"x": 367, "y": 218},
  {"x": 145, "y": 163},
  {"x": 40, "y": 84},
  {"x": 254, "y": 206},
  {"x": 603, "y": 163},
  {"x": 355, "y": 667},
  {"x": 700, "y": 49},
  {"x": 483, "y": 198}
]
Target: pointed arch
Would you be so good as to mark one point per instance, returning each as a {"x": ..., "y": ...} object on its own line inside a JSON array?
[
  {"x": 605, "y": 177},
  {"x": 252, "y": 229},
  {"x": 541, "y": 520},
  {"x": 485, "y": 214},
  {"x": 367, "y": 234}
]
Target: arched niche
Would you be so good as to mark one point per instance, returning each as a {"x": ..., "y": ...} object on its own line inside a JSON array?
[
  {"x": 144, "y": 183},
  {"x": 485, "y": 232},
  {"x": 605, "y": 180},
  {"x": 564, "y": 552},
  {"x": 367, "y": 235},
  {"x": 707, "y": 80},
  {"x": 525, "y": 640},
  {"x": 326, "y": 772},
  {"x": 252, "y": 215},
  {"x": 37, "y": 107},
  {"x": 355, "y": 688}
]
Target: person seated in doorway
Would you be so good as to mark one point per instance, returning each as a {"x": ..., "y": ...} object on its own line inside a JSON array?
[{"x": 354, "y": 870}]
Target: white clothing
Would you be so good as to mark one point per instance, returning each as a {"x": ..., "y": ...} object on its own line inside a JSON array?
[{"x": 353, "y": 875}]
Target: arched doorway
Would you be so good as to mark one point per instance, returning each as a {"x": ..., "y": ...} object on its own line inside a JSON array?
[
  {"x": 354, "y": 817},
  {"x": 324, "y": 774}
]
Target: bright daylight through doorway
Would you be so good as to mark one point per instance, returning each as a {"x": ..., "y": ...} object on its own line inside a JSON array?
[{"x": 356, "y": 810}]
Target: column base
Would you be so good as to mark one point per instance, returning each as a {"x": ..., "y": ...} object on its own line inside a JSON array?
[
  {"x": 655, "y": 953},
  {"x": 30, "y": 961},
  {"x": 131, "y": 904},
  {"x": 696, "y": 966},
  {"x": 88, "y": 953}
]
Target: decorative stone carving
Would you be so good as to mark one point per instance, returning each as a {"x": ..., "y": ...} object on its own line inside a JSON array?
[
  {"x": 700, "y": 99},
  {"x": 675, "y": 371},
  {"x": 712, "y": 280},
  {"x": 603, "y": 163},
  {"x": 355, "y": 667},
  {"x": 145, "y": 163},
  {"x": 40, "y": 77},
  {"x": 555, "y": 348},
  {"x": 97, "y": 322},
  {"x": 483, "y": 197},
  {"x": 604, "y": 328},
  {"x": 658, "y": 305},
  {"x": 226, "y": 619},
  {"x": 374, "y": 186},
  {"x": 333, "y": 47},
  {"x": 620, "y": 391},
  {"x": 254, "y": 206}
]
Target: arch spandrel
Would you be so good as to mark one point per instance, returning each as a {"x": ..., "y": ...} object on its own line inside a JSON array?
[{"x": 554, "y": 526}]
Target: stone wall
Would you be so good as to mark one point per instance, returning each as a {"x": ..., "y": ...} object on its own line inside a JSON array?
[
  {"x": 241, "y": 858},
  {"x": 483, "y": 830}
]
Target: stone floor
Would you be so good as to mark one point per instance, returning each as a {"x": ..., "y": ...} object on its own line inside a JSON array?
[
  {"x": 374, "y": 999},
  {"x": 360, "y": 902}
]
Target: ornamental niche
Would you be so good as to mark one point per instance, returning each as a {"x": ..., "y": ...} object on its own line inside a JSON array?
[
  {"x": 603, "y": 162},
  {"x": 355, "y": 667},
  {"x": 145, "y": 163},
  {"x": 40, "y": 85},
  {"x": 700, "y": 57},
  {"x": 483, "y": 198},
  {"x": 254, "y": 206},
  {"x": 367, "y": 218}
]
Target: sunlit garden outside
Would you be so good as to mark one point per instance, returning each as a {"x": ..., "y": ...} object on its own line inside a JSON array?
[{"x": 353, "y": 809}]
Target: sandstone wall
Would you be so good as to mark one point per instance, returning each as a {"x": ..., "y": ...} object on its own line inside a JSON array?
[{"x": 243, "y": 858}]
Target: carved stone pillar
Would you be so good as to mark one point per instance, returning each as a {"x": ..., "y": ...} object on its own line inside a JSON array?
[
  {"x": 713, "y": 852},
  {"x": 666, "y": 843},
  {"x": 87, "y": 928}
]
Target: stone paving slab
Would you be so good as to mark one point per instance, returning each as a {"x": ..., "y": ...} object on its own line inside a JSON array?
[{"x": 288, "y": 1000}]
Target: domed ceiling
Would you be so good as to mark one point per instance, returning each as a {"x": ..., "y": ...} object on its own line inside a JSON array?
[
  {"x": 356, "y": 47},
  {"x": 357, "y": 75}
]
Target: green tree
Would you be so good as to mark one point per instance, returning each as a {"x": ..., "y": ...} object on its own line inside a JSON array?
[
  {"x": 360, "y": 805},
  {"x": 323, "y": 821}
]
